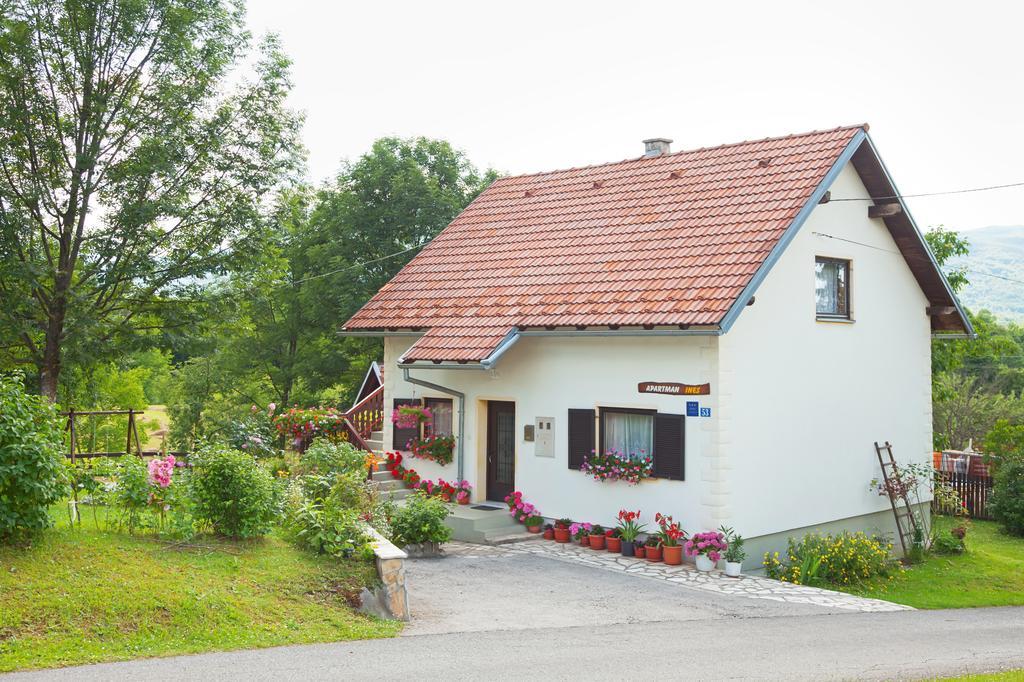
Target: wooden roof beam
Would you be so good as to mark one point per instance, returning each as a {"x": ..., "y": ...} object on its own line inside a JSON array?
[{"x": 883, "y": 210}]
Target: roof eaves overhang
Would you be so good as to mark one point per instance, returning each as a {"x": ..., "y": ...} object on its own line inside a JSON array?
[
  {"x": 794, "y": 227},
  {"x": 968, "y": 328}
]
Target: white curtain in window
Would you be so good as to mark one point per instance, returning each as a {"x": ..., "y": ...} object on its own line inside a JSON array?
[
  {"x": 630, "y": 434},
  {"x": 826, "y": 286},
  {"x": 441, "y": 410}
]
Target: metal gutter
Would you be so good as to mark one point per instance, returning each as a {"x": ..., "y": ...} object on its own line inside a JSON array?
[
  {"x": 970, "y": 333},
  {"x": 506, "y": 343},
  {"x": 460, "y": 447},
  {"x": 741, "y": 301}
]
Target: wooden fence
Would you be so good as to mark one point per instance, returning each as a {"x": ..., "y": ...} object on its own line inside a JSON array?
[{"x": 974, "y": 490}]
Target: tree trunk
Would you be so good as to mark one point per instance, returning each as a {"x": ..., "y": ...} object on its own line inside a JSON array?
[{"x": 49, "y": 372}]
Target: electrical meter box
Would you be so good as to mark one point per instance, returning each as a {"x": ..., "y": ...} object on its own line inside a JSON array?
[{"x": 544, "y": 437}]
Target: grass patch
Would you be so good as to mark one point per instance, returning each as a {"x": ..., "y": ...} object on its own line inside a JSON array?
[
  {"x": 989, "y": 573},
  {"x": 1008, "y": 676},
  {"x": 84, "y": 596}
]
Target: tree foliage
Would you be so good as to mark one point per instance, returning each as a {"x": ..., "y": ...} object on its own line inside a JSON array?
[{"x": 128, "y": 168}]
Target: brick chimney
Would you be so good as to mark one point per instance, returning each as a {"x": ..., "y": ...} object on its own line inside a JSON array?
[{"x": 657, "y": 146}]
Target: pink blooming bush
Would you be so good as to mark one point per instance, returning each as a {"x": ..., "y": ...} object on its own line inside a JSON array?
[
  {"x": 711, "y": 544},
  {"x": 161, "y": 471},
  {"x": 578, "y": 530}
]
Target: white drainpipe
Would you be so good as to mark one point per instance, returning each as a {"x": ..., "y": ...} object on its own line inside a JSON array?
[{"x": 462, "y": 413}]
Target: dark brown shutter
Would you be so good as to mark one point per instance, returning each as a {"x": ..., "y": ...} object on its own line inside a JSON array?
[
  {"x": 401, "y": 437},
  {"x": 581, "y": 436},
  {"x": 670, "y": 446}
]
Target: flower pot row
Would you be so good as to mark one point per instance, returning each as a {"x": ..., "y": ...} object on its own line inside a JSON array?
[{"x": 668, "y": 544}]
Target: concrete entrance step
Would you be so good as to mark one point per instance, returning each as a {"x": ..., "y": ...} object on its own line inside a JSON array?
[{"x": 484, "y": 526}]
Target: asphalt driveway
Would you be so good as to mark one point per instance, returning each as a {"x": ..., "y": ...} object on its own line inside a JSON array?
[{"x": 485, "y": 615}]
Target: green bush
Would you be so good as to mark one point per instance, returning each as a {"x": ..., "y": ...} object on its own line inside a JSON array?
[
  {"x": 331, "y": 524},
  {"x": 131, "y": 496},
  {"x": 947, "y": 543},
  {"x": 326, "y": 458},
  {"x": 232, "y": 492},
  {"x": 32, "y": 474},
  {"x": 843, "y": 559},
  {"x": 421, "y": 520},
  {"x": 1007, "y": 501}
]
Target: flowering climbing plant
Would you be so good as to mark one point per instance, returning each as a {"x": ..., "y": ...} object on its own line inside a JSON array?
[{"x": 617, "y": 466}]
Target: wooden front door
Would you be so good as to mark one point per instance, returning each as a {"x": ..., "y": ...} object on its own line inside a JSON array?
[{"x": 501, "y": 449}]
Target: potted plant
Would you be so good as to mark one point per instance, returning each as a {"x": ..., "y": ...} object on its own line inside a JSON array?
[
  {"x": 629, "y": 528},
  {"x": 707, "y": 548},
  {"x": 652, "y": 548},
  {"x": 562, "y": 533},
  {"x": 597, "y": 536},
  {"x": 462, "y": 491},
  {"x": 734, "y": 552},
  {"x": 612, "y": 540},
  {"x": 580, "y": 533},
  {"x": 533, "y": 523},
  {"x": 670, "y": 535},
  {"x": 639, "y": 549},
  {"x": 549, "y": 531}
]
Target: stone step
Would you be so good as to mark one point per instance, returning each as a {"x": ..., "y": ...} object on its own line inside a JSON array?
[
  {"x": 377, "y": 435},
  {"x": 483, "y": 526},
  {"x": 383, "y": 476},
  {"x": 391, "y": 484},
  {"x": 508, "y": 538},
  {"x": 377, "y": 445},
  {"x": 397, "y": 495}
]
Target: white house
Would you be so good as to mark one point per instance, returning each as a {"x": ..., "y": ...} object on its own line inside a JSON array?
[{"x": 781, "y": 283}]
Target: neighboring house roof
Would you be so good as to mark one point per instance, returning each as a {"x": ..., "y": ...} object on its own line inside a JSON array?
[
  {"x": 675, "y": 241},
  {"x": 373, "y": 380}
]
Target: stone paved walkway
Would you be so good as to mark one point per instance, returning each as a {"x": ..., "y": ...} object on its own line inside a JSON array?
[{"x": 687, "y": 576}]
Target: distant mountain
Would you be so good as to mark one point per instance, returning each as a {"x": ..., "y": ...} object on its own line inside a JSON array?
[{"x": 999, "y": 251}]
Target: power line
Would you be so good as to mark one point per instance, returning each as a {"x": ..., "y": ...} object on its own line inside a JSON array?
[
  {"x": 970, "y": 273},
  {"x": 934, "y": 194}
]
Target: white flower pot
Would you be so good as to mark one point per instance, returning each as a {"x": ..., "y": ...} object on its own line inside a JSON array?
[
  {"x": 732, "y": 568},
  {"x": 704, "y": 563}
]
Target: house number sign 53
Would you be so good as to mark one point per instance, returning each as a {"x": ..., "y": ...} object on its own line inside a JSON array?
[{"x": 673, "y": 388}]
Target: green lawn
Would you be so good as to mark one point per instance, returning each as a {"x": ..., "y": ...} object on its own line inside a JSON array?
[
  {"x": 83, "y": 596},
  {"x": 1008, "y": 676},
  {"x": 990, "y": 573}
]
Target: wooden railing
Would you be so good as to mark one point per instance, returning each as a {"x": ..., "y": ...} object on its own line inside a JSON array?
[{"x": 367, "y": 415}]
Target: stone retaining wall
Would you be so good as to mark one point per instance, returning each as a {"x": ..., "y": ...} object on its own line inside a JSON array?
[{"x": 389, "y": 599}]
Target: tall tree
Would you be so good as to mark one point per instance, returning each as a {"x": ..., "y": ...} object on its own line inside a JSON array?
[{"x": 128, "y": 167}]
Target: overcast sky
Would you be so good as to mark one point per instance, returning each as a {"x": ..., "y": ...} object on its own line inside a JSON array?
[{"x": 531, "y": 86}]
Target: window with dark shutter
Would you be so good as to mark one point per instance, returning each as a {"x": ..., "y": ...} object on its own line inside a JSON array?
[
  {"x": 669, "y": 446},
  {"x": 581, "y": 436},
  {"x": 401, "y": 437}
]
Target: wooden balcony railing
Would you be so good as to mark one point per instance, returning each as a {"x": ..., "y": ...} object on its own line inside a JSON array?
[{"x": 367, "y": 415}]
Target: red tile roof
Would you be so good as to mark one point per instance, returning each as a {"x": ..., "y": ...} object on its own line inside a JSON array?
[{"x": 669, "y": 240}]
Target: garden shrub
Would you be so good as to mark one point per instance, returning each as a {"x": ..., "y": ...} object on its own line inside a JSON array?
[
  {"x": 332, "y": 524},
  {"x": 842, "y": 559},
  {"x": 421, "y": 520},
  {"x": 947, "y": 543},
  {"x": 232, "y": 492},
  {"x": 1007, "y": 501},
  {"x": 327, "y": 458},
  {"x": 131, "y": 496},
  {"x": 32, "y": 473}
]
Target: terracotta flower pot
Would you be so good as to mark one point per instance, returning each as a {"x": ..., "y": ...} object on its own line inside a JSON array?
[
  {"x": 533, "y": 529},
  {"x": 673, "y": 555},
  {"x": 549, "y": 534},
  {"x": 597, "y": 541},
  {"x": 639, "y": 551},
  {"x": 585, "y": 541},
  {"x": 652, "y": 553},
  {"x": 614, "y": 544},
  {"x": 561, "y": 535},
  {"x": 462, "y": 500}
]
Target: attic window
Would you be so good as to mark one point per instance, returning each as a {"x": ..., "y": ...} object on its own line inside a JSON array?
[{"x": 832, "y": 288}]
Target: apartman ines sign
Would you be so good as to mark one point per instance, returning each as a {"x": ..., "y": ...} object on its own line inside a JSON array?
[{"x": 673, "y": 388}]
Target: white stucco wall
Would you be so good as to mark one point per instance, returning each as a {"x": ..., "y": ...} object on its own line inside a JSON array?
[
  {"x": 803, "y": 401},
  {"x": 545, "y": 377}
]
